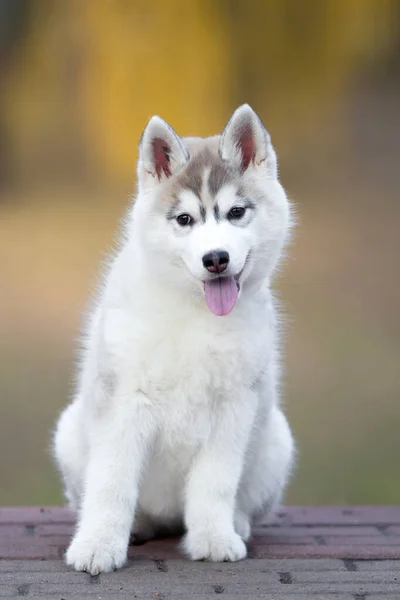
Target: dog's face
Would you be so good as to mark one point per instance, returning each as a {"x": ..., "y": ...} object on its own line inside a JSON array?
[{"x": 211, "y": 212}]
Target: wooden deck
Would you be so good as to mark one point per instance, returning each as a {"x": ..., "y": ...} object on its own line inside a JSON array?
[{"x": 310, "y": 553}]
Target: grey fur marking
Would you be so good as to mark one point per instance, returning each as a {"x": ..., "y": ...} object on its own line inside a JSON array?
[
  {"x": 220, "y": 175},
  {"x": 191, "y": 176}
]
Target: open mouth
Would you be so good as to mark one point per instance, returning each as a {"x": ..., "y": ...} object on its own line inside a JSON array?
[{"x": 221, "y": 294}]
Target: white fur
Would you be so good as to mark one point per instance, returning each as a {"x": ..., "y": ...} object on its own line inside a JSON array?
[{"x": 176, "y": 417}]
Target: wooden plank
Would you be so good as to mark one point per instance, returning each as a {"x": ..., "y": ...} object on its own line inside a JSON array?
[{"x": 308, "y": 553}]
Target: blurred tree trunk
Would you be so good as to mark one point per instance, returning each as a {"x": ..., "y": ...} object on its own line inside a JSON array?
[{"x": 13, "y": 19}]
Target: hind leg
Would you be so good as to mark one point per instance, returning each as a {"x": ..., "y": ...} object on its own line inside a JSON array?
[
  {"x": 146, "y": 528},
  {"x": 70, "y": 452},
  {"x": 266, "y": 472}
]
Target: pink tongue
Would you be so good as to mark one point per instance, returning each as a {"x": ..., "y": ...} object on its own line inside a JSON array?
[{"x": 221, "y": 295}]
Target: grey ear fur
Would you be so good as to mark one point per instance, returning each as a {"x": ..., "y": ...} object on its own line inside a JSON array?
[
  {"x": 246, "y": 143},
  {"x": 161, "y": 151}
]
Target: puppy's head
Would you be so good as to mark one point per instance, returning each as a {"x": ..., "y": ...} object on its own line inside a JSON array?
[{"x": 211, "y": 212}]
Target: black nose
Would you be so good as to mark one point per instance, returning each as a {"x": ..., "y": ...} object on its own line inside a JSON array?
[{"x": 216, "y": 261}]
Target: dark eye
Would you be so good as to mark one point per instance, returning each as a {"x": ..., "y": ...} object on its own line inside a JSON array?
[
  {"x": 237, "y": 212},
  {"x": 184, "y": 220}
]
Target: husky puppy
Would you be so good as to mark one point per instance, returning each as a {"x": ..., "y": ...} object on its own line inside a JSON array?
[{"x": 176, "y": 422}]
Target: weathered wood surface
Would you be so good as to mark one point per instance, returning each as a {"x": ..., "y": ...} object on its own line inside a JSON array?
[{"x": 309, "y": 553}]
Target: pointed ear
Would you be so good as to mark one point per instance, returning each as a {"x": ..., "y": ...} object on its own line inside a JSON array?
[
  {"x": 161, "y": 152},
  {"x": 246, "y": 142}
]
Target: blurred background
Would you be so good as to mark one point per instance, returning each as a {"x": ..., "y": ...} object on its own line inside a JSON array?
[{"x": 79, "y": 80}]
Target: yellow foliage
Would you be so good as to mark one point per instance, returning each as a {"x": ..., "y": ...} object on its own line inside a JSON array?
[
  {"x": 167, "y": 58},
  {"x": 90, "y": 73}
]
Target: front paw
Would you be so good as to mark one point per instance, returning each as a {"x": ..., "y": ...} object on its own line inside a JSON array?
[
  {"x": 96, "y": 555},
  {"x": 216, "y": 546}
]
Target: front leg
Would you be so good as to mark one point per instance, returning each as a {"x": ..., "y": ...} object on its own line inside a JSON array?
[
  {"x": 119, "y": 444},
  {"x": 213, "y": 483}
]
